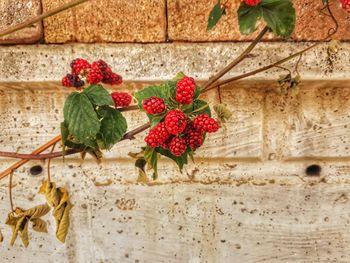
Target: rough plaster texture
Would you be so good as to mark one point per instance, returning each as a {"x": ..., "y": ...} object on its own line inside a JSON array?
[
  {"x": 162, "y": 61},
  {"x": 15, "y": 12},
  {"x": 188, "y": 21},
  {"x": 107, "y": 21},
  {"x": 247, "y": 197}
]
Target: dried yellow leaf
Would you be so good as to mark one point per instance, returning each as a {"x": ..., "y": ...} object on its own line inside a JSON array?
[
  {"x": 1, "y": 237},
  {"x": 106, "y": 183},
  {"x": 39, "y": 225},
  {"x": 58, "y": 198},
  {"x": 19, "y": 222},
  {"x": 223, "y": 112}
]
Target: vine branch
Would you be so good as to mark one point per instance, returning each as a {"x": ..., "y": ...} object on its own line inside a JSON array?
[{"x": 32, "y": 21}]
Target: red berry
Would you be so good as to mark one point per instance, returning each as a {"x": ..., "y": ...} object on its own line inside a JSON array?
[
  {"x": 193, "y": 137},
  {"x": 78, "y": 65},
  {"x": 153, "y": 105},
  {"x": 157, "y": 135},
  {"x": 185, "y": 90},
  {"x": 345, "y": 4},
  {"x": 72, "y": 80},
  {"x": 112, "y": 78},
  {"x": 175, "y": 121},
  {"x": 95, "y": 75},
  {"x": 252, "y": 2},
  {"x": 177, "y": 146},
  {"x": 103, "y": 66},
  {"x": 204, "y": 123},
  {"x": 121, "y": 99}
]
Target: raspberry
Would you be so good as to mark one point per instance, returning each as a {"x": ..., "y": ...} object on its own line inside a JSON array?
[
  {"x": 121, "y": 99},
  {"x": 193, "y": 138},
  {"x": 345, "y": 4},
  {"x": 112, "y": 78},
  {"x": 153, "y": 105},
  {"x": 177, "y": 146},
  {"x": 204, "y": 123},
  {"x": 72, "y": 80},
  {"x": 252, "y": 2},
  {"x": 185, "y": 89},
  {"x": 157, "y": 136},
  {"x": 175, "y": 121},
  {"x": 78, "y": 65},
  {"x": 95, "y": 75}
]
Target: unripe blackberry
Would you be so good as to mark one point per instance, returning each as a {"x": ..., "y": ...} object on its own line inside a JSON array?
[
  {"x": 193, "y": 137},
  {"x": 95, "y": 75},
  {"x": 185, "y": 90},
  {"x": 157, "y": 136},
  {"x": 252, "y": 2},
  {"x": 79, "y": 65},
  {"x": 204, "y": 123},
  {"x": 72, "y": 80},
  {"x": 175, "y": 121},
  {"x": 103, "y": 66},
  {"x": 153, "y": 105},
  {"x": 177, "y": 146},
  {"x": 121, "y": 99}
]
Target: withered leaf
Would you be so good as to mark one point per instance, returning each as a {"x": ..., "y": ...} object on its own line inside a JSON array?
[
  {"x": 223, "y": 112},
  {"x": 1, "y": 237},
  {"x": 58, "y": 198},
  {"x": 19, "y": 222}
]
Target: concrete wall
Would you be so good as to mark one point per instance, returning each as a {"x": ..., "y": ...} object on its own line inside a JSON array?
[
  {"x": 153, "y": 21},
  {"x": 247, "y": 198}
]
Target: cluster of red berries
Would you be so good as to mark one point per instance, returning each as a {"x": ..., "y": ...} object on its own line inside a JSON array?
[
  {"x": 98, "y": 71},
  {"x": 177, "y": 131},
  {"x": 252, "y": 2}
]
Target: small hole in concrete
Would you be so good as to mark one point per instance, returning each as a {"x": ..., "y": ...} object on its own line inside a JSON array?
[
  {"x": 36, "y": 170},
  {"x": 313, "y": 170}
]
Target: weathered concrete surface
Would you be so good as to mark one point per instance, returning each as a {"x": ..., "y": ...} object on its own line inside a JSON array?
[
  {"x": 247, "y": 198},
  {"x": 15, "y": 12},
  {"x": 188, "y": 21},
  {"x": 162, "y": 61},
  {"x": 107, "y": 21}
]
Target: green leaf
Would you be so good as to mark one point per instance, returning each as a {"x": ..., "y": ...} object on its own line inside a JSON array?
[
  {"x": 279, "y": 16},
  {"x": 81, "y": 118},
  {"x": 162, "y": 91},
  {"x": 151, "y": 157},
  {"x": 180, "y": 160},
  {"x": 215, "y": 15},
  {"x": 248, "y": 16},
  {"x": 98, "y": 95},
  {"x": 197, "y": 107},
  {"x": 113, "y": 126}
]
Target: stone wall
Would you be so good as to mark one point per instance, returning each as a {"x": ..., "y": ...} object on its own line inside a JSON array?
[{"x": 149, "y": 21}]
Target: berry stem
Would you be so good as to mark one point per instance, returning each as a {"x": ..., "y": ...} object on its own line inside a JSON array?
[
  {"x": 236, "y": 61},
  {"x": 32, "y": 21}
]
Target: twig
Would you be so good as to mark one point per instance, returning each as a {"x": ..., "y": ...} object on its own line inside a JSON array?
[
  {"x": 235, "y": 61},
  {"x": 10, "y": 192},
  {"x": 36, "y": 156},
  {"x": 48, "y": 165},
  {"x": 32, "y": 21},
  {"x": 22, "y": 162}
]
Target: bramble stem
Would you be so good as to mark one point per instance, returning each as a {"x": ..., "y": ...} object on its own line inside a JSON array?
[
  {"x": 32, "y": 21},
  {"x": 236, "y": 61}
]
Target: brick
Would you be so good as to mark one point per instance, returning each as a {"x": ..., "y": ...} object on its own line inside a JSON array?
[
  {"x": 188, "y": 22},
  {"x": 107, "y": 21},
  {"x": 15, "y": 12}
]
